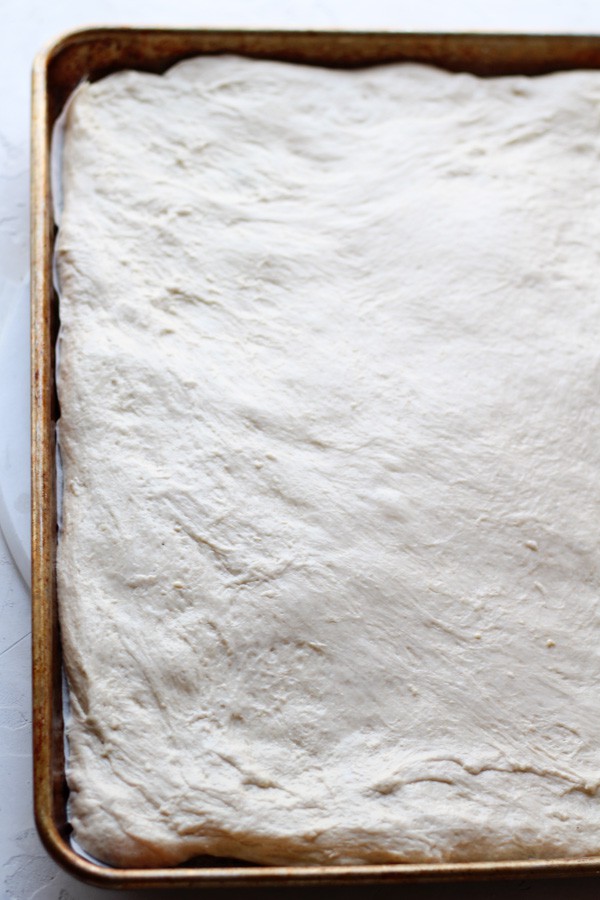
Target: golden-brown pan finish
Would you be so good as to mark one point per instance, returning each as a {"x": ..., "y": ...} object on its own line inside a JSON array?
[{"x": 90, "y": 54}]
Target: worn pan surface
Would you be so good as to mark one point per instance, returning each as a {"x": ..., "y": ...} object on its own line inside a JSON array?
[{"x": 90, "y": 54}]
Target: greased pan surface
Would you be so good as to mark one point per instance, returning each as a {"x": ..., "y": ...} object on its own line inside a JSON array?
[{"x": 57, "y": 71}]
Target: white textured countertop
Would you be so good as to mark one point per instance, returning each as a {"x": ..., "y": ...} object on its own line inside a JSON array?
[{"x": 25, "y": 25}]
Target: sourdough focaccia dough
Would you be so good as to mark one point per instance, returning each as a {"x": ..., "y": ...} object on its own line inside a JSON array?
[{"x": 329, "y": 567}]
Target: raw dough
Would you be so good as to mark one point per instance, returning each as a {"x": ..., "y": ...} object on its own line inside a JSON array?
[{"x": 330, "y": 369}]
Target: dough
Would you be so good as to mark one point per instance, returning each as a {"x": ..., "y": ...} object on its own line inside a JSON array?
[{"x": 329, "y": 567}]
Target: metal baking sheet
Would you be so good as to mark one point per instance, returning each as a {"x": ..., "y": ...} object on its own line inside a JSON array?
[{"x": 58, "y": 69}]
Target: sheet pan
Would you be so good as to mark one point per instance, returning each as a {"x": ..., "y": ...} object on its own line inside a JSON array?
[{"x": 90, "y": 54}]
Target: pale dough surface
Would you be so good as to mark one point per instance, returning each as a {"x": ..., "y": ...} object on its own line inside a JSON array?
[{"x": 330, "y": 374}]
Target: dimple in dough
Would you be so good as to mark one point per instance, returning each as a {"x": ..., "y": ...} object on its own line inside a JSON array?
[{"x": 329, "y": 378}]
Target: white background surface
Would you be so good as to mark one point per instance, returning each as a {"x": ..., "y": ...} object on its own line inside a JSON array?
[{"x": 25, "y": 870}]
